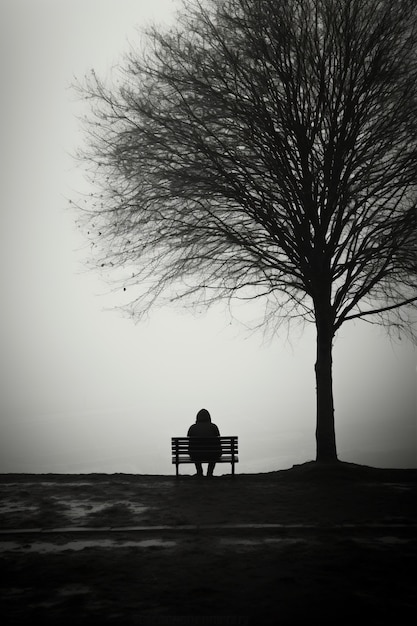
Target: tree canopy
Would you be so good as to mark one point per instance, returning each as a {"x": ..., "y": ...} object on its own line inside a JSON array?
[{"x": 265, "y": 145}]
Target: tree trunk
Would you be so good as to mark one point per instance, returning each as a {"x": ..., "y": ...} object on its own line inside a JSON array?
[{"x": 325, "y": 431}]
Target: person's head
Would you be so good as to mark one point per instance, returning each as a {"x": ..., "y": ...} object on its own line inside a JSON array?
[{"x": 203, "y": 416}]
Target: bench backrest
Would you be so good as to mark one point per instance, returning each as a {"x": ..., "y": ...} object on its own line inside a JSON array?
[{"x": 180, "y": 445}]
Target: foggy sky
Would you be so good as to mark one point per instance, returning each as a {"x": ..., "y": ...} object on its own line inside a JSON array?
[{"x": 85, "y": 389}]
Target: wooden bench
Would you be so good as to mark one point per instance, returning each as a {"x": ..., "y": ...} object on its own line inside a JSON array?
[{"x": 180, "y": 452}]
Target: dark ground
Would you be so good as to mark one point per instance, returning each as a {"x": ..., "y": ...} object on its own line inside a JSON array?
[{"x": 341, "y": 549}]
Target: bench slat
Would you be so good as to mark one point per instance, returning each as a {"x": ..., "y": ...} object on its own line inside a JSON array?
[
  {"x": 184, "y": 450},
  {"x": 186, "y": 440},
  {"x": 182, "y": 444},
  {"x": 224, "y": 458}
]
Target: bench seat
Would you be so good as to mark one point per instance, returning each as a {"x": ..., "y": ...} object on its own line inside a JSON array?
[{"x": 180, "y": 447}]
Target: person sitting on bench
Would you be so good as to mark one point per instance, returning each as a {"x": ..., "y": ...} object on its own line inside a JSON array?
[{"x": 203, "y": 445}]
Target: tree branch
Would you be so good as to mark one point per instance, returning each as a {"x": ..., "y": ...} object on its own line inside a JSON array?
[{"x": 380, "y": 310}]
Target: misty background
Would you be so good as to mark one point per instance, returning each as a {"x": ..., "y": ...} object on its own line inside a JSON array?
[{"x": 85, "y": 389}]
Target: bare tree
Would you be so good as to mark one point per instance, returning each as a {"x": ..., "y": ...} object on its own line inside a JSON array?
[{"x": 265, "y": 148}]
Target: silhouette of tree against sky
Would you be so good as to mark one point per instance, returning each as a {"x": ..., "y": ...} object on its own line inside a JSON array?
[{"x": 264, "y": 149}]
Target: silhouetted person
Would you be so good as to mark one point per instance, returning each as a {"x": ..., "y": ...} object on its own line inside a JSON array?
[{"x": 204, "y": 445}]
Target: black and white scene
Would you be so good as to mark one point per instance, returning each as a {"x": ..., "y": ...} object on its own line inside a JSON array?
[{"x": 208, "y": 324}]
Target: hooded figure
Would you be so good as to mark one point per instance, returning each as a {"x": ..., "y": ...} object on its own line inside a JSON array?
[{"x": 204, "y": 445}]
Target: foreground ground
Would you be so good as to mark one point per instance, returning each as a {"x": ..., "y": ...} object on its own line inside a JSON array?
[{"x": 291, "y": 547}]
